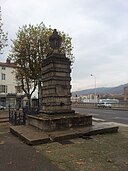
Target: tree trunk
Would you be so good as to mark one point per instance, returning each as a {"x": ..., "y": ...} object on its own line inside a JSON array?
[{"x": 29, "y": 101}]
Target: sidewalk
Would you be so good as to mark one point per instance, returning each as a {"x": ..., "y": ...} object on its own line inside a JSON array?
[{"x": 17, "y": 156}]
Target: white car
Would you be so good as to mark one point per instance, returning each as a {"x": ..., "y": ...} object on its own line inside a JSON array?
[
  {"x": 104, "y": 105},
  {"x": 2, "y": 107}
]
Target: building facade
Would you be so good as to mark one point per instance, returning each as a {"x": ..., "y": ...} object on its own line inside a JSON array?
[{"x": 10, "y": 92}]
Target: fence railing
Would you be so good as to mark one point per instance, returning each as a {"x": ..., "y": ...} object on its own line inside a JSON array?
[{"x": 19, "y": 117}]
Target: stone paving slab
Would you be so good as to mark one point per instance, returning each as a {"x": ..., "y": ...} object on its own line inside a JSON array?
[
  {"x": 33, "y": 136},
  {"x": 17, "y": 156}
]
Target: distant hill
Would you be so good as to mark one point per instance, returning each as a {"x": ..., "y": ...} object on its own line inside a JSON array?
[{"x": 102, "y": 90}]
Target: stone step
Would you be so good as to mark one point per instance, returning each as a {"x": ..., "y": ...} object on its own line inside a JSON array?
[
  {"x": 4, "y": 117},
  {"x": 2, "y": 120},
  {"x": 33, "y": 136}
]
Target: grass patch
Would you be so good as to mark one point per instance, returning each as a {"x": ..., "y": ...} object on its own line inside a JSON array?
[{"x": 101, "y": 153}]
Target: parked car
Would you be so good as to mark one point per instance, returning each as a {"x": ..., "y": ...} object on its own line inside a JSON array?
[
  {"x": 104, "y": 105},
  {"x": 2, "y": 107}
]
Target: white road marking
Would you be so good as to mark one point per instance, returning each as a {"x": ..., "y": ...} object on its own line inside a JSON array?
[
  {"x": 118, "y": 124},
  {"x": 121, "y": 118},
  {"x": 114, "y": 123},
  {"x": 93, "y": 114},
  {"x": 97, "y": 119}
]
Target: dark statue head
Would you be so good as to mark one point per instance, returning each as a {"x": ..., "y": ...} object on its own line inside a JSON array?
[{"x": 55, "y": 41}]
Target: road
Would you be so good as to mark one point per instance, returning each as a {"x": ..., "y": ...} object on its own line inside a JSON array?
[{"x": 117, "y": 116}]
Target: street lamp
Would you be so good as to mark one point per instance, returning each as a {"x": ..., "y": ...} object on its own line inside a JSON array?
[{"x": 95, "y": 85}]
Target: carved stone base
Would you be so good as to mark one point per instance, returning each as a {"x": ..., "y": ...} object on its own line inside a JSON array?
[
  {"x": 57, "y": 112},
  {"x": 59, "y": 122}
]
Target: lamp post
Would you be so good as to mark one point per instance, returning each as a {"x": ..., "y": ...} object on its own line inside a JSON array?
[{"x": 95, "y": 85}]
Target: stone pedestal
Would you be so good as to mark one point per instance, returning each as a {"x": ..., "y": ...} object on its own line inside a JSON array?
[
  {"x": 56, "y": 95},
  {"x": 56, "y": 113},
  {"x": 59, "y": 122}
]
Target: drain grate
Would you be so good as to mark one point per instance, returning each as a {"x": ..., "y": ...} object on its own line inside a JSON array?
[
  {"x": 86, "y": 137},
  {"x": 64, "y": 142}
]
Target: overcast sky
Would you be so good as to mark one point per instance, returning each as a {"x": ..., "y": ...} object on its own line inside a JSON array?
[{"x": 99, "y": 31}]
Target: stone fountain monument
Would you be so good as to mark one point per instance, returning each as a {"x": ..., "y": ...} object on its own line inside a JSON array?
[
  {"x": 56, "y": 119},
  {"x": 56, "y": 112}
]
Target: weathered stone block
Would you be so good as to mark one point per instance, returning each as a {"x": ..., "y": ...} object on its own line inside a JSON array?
[
  {"x": 56, "y": 95},
  {"x": 52, "y": 123}
]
